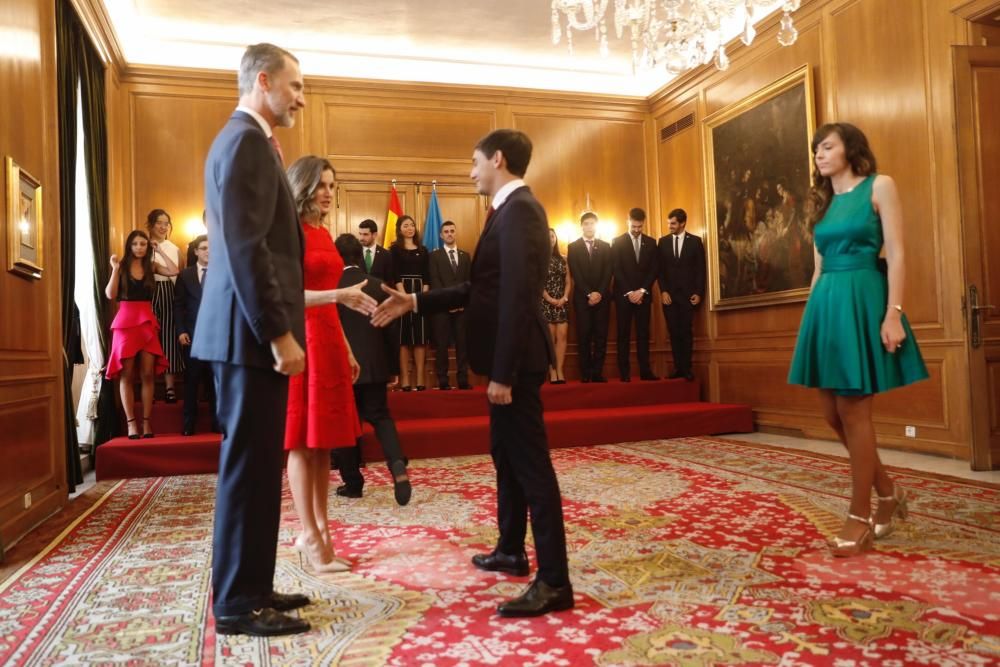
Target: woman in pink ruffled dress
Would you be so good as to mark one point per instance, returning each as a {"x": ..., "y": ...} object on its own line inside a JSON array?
[{"x": 135, "y": 331}]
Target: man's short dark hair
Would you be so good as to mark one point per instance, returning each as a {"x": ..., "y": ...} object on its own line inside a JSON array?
[
  {"x": 349, "y": 248},
  {"x": 198, "y": 240},
  {"x": 637, "y": 214},
  {"x": 370, "y": 225},
  {"x": 447, "y": 223},
  {"x": 588, "y": 214},
  {"x": 679, "y": 215},
  {"x": 515, "y": 146}
]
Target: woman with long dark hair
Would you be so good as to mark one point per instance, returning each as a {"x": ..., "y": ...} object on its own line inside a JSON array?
[
  {"x": 159, "y": 227},
  {"x": 555, "y": 297},
  {"x": 854, "y": 340},
  {"x": 410, "y": 263},
  {"x": 321, "y": 409},
  {"x": 135, "y": 329}
]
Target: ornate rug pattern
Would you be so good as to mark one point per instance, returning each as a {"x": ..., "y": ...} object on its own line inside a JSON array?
[{"x": 691, "y": 552}]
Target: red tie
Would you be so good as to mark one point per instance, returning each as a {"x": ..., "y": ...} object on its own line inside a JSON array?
[
  {"x": 489, "y": 219},
  {"x": 277, "y": 149}
]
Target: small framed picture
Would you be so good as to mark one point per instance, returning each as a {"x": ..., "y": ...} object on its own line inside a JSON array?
[{"x": 24, "y": 222}]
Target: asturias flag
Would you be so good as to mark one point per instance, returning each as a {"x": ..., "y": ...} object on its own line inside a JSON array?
[
  {"x": 432, "y": 223},
  {"x": 395, "y": 211}
]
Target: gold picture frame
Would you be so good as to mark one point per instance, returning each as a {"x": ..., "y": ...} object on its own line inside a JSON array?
[
  {"x": 757, "y": 170},
  {"x": 25, "y": 240}
]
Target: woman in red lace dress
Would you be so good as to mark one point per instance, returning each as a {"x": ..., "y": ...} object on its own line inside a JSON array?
[{"x": 321, "y": 410}]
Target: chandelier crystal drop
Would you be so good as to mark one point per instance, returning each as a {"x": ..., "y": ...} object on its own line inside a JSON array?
[{"x": 675, "y": 34}]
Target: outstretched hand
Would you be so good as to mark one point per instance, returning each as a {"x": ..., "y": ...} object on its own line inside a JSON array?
[
  {"x": 354, "y": 298},
  {"x": 397, "y": 305}
]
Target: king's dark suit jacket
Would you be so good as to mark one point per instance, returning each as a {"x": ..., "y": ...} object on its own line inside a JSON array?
[
  {"x": 255, "y": 291},
  {"x": 591, "y": 272},
  {"x": 377, "y": 350},
  {"x": 381, "y": 264},
  {"x": 505, "y": 329},
  {"x": 442, "y": 275},
  {"x": 629, "y": 274},
  {"x": 187, "y": 300}
]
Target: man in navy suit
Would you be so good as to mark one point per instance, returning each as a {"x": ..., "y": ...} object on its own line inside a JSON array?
[
  {"x": 187, "y": 300},
  {"x": 682, "y": 286},
  {"x": 635, "y": 272},
  {"x": 589, "y": 260},
  {"x": 449, "y": 266},
  {"x": 509, "y": 343},
  {"x": 251, "y": 326}
]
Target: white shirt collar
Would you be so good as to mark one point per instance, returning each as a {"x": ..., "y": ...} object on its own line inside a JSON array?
[
  {"x": 501, "y": 196},
  {"x": 257, "y": 117},
  {"x": 451, "y": 249},
  {"x": 681, "y": 235}
]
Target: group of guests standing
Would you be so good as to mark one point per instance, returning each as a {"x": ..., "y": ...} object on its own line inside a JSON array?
[{"x": 594, "y": 274}]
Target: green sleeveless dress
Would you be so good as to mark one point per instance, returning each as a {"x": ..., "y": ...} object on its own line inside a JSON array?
[{"x": 840, "y": 345}]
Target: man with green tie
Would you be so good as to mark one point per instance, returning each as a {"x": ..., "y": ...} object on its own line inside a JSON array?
[{"x": 377, "y": 261}]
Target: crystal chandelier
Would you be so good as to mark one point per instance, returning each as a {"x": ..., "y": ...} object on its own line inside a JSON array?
[{"x": 678, "y": 34}]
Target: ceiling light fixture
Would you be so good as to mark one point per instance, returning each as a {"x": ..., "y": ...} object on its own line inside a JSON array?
[{"x": 678, "y": 34}]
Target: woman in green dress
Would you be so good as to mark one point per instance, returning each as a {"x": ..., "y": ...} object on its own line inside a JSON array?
[{"x": 854, "y": 340}]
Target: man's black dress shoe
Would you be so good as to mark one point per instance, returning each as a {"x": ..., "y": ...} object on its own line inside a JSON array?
[
  {"x": 401, "y": 489},
  {"x": 689, "y": 376},
  {"x": 260, "y": 623},
  {"x": 465, "y": 386},
  {"x": 499, "y": 562},
  {"x": 675, "y": 375},
  {"x": 539, "y": 599},
  {"x": 187, "y": 431},
  {"x": 598, "y": 378},
  {"x": 348, "y": 492},
  {"x": 444, "y": 386},
  {"x": 288, "y": 601},
  {"x": 584, "y": 380},
  {"x": 648, "y": 377},
  {"x": 625, "y": 378}
]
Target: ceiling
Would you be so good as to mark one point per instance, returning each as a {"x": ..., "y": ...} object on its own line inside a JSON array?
[{"x": 439, "y": 41}]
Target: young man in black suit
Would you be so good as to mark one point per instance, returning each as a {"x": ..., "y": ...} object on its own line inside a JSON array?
[
  {"x": 187, "y": 300},
  {"x": 635, "y": 272},
  {"x": 589, "y": 260},
  {"x": 509, "y": 342},
  {"x": 375, "y": 260},
  {"x": 251, "y": 326},
  {"x": 377, "y": 351},
  {"x": 449, "y": 266},
  {"x": 682, "y": 287}
]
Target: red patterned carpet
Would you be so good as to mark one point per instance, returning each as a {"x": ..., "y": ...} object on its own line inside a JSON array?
[{"x": 691, "y": 551}]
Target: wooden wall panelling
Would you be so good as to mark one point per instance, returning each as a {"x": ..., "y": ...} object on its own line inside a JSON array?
[
  {"x": 461, "y": 204},
  {"x": 369, "y": 199},
  {"x": 32, "y": 454}
]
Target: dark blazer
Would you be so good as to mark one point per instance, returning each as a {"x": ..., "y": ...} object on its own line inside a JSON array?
[
  {"x": 629, "y": 274},
  {"x": 505, "y": 329},
  {"x": 187, "y": 299},
  {"x": 377, "y": 350},
  {"x": 442, "y": 275},
  {"x": 381, "y": 264},
  {"x": 591, "y": 273},
  {"x": 684, "y": 276},
  {"x": 254, "y": 292}
]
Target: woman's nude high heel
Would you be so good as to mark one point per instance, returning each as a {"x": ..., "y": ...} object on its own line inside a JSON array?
[
  {"x": 901, "y": 510},
  {"x": 315, "y": 555},
  {"x": 842, "y": 548}
]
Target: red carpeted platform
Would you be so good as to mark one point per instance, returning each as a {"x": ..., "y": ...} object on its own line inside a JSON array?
[{"x": 453, "y": 423}]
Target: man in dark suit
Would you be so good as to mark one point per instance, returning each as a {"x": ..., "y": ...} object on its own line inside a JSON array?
[
  {"x": 187, "y": 299},
  {"x": 590, "y": 264},
  {"x": 377, "y": 351},
  {"x": 682, "y": 286},
  {"x": 635, "y": 272},
  {"x": 252, "y": 327},
  {"x": 375, "y": 260},
  {"x": 449, "y": 266},
  {"x": 509, "y": 342}
]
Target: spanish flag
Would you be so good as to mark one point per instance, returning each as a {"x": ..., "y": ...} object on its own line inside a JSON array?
[{"x": 395, "y": 210}]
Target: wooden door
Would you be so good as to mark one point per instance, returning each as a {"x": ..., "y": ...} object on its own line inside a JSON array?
[{"x": 977, "y": 97}]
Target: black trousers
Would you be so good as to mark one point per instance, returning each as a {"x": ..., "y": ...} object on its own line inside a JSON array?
[
  {"x": 680, "y": 319},
  {"x": 252, "y": 403},
  {"x": 196, "y": 373},
  {"x": 591, "y": 335},
  {"x": 449, "y": 328},
  {"x": 526, "y": 481},
  {"x": 625, "y": 313},
  {"x": 373, "y": 407}
]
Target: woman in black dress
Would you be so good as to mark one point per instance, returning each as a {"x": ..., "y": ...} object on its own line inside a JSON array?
[
  {"x": 410, "y": 263},
  {"x": 555, "y": 296}
]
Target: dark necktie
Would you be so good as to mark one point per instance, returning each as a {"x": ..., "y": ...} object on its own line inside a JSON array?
[
  {"x": 201, "y": 275},
  {"x": 677, "y": 247},
  {"x": 277, "y": 149},
  {"x": 590, "y": 248},
  {"x": 635, "y": 243},
  {"x": 489, "y": 219},
  {"x": 368, "y": 260},
  {"x": 454, "y": 262}
]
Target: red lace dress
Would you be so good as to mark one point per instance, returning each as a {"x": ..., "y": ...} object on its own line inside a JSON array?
[{"x": 321, "y": 409}]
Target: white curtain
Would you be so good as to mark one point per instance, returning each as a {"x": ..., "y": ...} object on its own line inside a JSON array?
[{"x": 86, "y": 410}]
